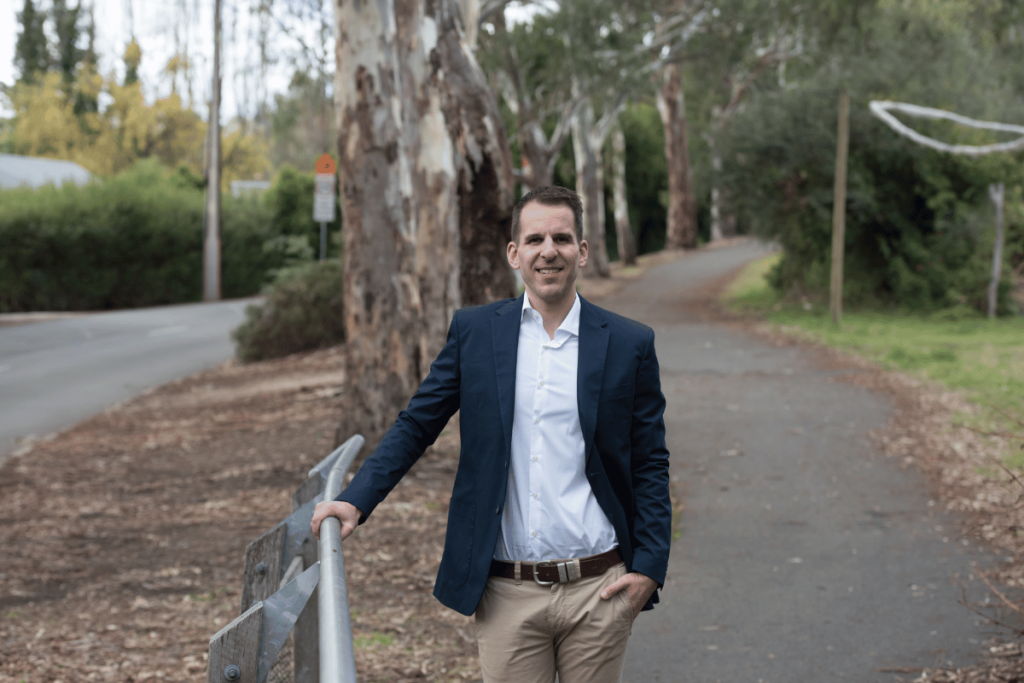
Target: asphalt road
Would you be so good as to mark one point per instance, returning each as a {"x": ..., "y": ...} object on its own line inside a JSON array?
[
  {"x": 56, "y": 373},
  {"x": 805, "y": 554}
]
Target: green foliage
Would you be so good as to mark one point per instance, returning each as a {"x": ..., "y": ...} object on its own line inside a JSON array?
[
  {"x": 291, "y": 204},
  {"x": 32, "y": 50},
  {"x": 65, "y": 21},
  {"x": 302, "y": 124},
  {"x": 302, "y": 311},
  {"x": 919, "y": 223},
  {"x": 132, "y": 240},
  {"x": 646, "y": 176}
]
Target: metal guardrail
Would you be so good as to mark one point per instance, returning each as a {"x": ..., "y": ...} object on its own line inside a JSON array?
[
  {"x": 337, "y": 658},
  {"x": 276, "y": 590}
]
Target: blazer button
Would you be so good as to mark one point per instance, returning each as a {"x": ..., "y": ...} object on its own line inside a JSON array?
[{"x": 497, "y": 509}]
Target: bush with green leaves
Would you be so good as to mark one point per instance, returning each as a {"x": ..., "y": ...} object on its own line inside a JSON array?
[
  {"x": 302, "y": 311},
  {"x": 290, "y": 201},
  {"x": 919, "y": 223},
  {"x": 132, "y": 240}
]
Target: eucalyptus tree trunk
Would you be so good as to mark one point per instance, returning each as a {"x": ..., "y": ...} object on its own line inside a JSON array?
[
  {"x": 417, "y": 160},
  {"x": 716, "y": 190},
  {"x": 681, "y": 230},
  {"x": 590, "y": 187},
  {"x": 483, "y": 163},
  {"x": 623, "y": 231}
]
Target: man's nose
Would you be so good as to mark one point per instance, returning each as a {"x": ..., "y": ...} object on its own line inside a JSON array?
[{"x": 548, "y": 249}]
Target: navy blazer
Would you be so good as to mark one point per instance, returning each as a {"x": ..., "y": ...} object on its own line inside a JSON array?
[{"x": 621, "y": 413}]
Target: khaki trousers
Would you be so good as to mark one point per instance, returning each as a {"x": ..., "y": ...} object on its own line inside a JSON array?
[{"x": 527, "y": 633}]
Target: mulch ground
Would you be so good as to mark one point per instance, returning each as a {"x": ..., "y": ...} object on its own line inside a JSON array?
[{"x": 122, "y": 539}]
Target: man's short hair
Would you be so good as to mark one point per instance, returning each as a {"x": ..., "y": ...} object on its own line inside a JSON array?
[{"x": 550, "y": 195}]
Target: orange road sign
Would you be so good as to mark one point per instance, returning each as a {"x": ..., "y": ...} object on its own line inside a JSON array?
[{"x": 325, "y": 164}]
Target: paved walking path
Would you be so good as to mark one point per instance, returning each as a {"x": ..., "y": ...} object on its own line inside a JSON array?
[{"x": 805, "y": 555}]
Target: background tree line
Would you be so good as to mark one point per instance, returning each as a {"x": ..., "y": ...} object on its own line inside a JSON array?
[{"x": 679, "y": 121}]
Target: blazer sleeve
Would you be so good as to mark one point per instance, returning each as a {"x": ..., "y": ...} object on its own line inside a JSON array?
[
  {"x": 416, "y": 428},
  {"x": 652, "y": 525}
]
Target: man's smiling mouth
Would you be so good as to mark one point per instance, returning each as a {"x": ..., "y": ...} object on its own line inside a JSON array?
[{"x": 548, "y": 271}]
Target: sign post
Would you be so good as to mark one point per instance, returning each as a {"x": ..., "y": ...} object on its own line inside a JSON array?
[{"x": 323, "y": 198}]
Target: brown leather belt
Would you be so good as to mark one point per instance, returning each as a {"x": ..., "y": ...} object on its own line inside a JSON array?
[{"x": 550, "y": 572}]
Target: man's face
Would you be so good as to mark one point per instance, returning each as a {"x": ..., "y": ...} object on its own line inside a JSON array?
[{"x": 547, "y": 253}]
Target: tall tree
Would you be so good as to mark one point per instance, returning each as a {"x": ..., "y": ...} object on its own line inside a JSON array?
[
  {"x": 533, "y": 88},
  {"x": 588, "y": 138},
  {"x": 681, "y": 228},
  {"x": 65, "y": 21},
  {"x": 422, "y": 165},
  {"x": 623, "y": 229},
  {"x": 742, "y": 41},
  {"x": 32, "y": 50}
]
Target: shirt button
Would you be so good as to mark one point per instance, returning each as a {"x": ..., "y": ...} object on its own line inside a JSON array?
[
  {"x": 540, "y": 384},
  {"x": 534, "y": 534},
  {"x": 534, "y": 495},
  {"x": 537, "y": 420},
  {"x": 535, "y": 458}
]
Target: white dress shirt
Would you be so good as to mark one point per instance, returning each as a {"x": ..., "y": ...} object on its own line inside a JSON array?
[{"x": 550, "y": 510}]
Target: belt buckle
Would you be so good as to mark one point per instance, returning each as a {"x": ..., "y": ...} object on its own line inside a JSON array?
[
  {"x": 566, "y": 572},
  {"x": 536, "y": 572}
]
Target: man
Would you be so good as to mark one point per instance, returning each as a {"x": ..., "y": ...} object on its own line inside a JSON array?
[{"x": 560, "y": 520}]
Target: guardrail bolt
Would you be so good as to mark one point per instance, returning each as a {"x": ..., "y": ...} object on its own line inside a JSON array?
[
  {"x": 232, "y": 672},
  {"x": 261, "y": 569}
]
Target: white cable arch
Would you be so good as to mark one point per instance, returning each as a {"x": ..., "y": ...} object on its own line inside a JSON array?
[{"x": 881, "y": 108}]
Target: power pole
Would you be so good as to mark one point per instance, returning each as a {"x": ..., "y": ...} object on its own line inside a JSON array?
[
  {"x": 997, "y": 193},
  {"x": 839, "y": 210},
  {"x": 211, "y": 240}
]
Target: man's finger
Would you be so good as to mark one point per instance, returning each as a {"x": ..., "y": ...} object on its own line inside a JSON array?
[{"x": 621, "y": 584}]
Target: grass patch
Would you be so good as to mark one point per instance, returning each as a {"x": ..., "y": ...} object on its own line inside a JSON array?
[
  {"x": 373, "y": 640},
  {"x": 957, "y": 347},
  {"x": 750, "y": 291}
]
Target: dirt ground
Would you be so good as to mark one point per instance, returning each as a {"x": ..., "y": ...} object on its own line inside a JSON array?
[{"x": 122, "y": 539}]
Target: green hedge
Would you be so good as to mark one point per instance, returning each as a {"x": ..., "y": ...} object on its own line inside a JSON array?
[{"x": 133, "y": 240}]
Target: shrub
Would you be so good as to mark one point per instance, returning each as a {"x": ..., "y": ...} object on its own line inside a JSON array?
[
  {"x": 302, "y": 311},
  {"x": 133, "y": 240},
  {"x": 290, "y": 202}
]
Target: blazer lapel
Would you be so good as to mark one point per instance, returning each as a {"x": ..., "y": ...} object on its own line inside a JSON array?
[
  {"x": 505, "y": 337},
  {"x": 590, "y": 369}
]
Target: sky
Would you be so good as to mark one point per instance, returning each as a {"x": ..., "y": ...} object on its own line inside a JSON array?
[{"x": 153, "y": 23}]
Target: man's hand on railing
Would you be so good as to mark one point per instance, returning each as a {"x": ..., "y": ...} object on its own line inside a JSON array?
[{"x": 347, "y": 513}]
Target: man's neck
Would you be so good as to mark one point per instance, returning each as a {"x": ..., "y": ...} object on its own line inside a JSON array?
[{"x": 553, "y": 316}]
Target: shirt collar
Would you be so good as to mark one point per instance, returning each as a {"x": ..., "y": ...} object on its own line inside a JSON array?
[{"x": 571, "y": 324}]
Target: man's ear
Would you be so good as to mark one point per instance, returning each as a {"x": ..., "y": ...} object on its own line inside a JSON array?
[
  {"x": 513, "y": 255},
  {"x": 584, "y": 251}
]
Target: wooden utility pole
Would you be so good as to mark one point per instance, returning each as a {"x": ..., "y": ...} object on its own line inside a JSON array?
[
  {"x": 839, "y": 210},
  {"x": 997, "y": 192},
  {"x": 211, "y": 240}
]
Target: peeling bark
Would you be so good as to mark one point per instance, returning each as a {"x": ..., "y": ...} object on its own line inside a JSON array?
[
  {"x": 623, "y": 230},
  {"x": 483, "y": 165},
  {"x": 590, "y": 188},
  {"x": 681, "y": 232},
  {"x": 424, "y": 172}
]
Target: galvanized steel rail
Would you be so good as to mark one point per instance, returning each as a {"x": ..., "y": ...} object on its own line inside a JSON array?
[
  {"x": 245, "y": 650},
  {"x": 337, "y": 658}
]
